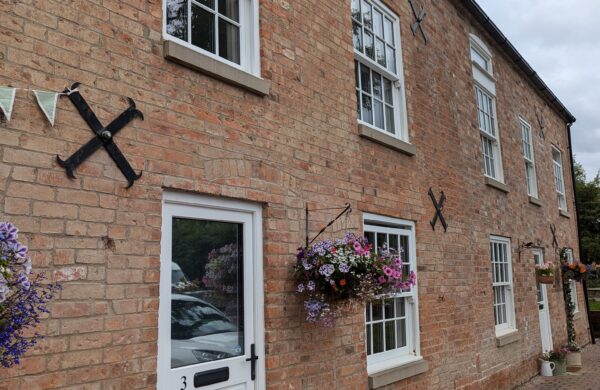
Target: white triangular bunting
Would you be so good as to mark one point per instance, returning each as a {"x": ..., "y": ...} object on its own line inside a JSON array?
[
  {"x": 7, "y": 99},
  {"x": 47, "y": 102}
]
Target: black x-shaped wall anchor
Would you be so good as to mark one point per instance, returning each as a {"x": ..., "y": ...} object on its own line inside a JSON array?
[
  {"x": 554, "y": 240},
  {"x": 419, "y": 17},
  {"x": 104, "y": 136},
  {"x": 439, "y": 206},
  {"x": 541, "y": 123}
]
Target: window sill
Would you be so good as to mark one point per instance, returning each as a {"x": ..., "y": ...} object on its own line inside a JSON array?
[
  {"x": 563, "y": 213},
  {"x": 220, "y": 70},
  {"x": 535, "y": 201},
  {"x": 507, "y": 337},
  {"x": 386, "y": 140},
  {"x": 382, "y": 374},
  {"x": 496, "y": 184}
]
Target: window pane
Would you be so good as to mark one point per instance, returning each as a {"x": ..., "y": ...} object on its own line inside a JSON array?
[
  {"x": 207, "y": 292},
  {"x": 358, "y": 104},
  {"x": 368, "y": 339},
  {"x": 401, "y": 333},
  {"x": 378, "y": 23},
  {"x": 368, "y": 313},
  {"x": 177, "y": 18},
  {"x": 357, "y": 36},
  {"x": 390, "y": 335},
  {"x": 209, "y": 3},
  {"x": 381, "y": 241},
  {"x": 356, "y": 10},
  {"x": 367, "y": 111},
  {"x": 203, "y": 29},
  {"x": 400, "y": 309},
  {"x": 388, "y": 31},
  {"x": 377, "y": 310},
  {"x": 365, "y": 79},
  {"x": 367, "y": 16},
  {"x": 378, "y": 337},
  {"x": 380, "y": 52},
  {"x": 230, "y": 8},
  {"x": 387, "y": 88},
  {"x": 377, "y": 86},
  {"x": 369, "y": 49},
  {"x": 391, "y": 59},
  {"x": 229, "y": 41},
  {"x": 479, "y": 59},
  {"x": 378, "y": 113},
  {"x": 389, "y": 308},
  {"x": 370, "y": 236},
  {"x": 393, "y": 242}
]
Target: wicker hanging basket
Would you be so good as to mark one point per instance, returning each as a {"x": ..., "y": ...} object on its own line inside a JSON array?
[{"x": 545, "y": 279}]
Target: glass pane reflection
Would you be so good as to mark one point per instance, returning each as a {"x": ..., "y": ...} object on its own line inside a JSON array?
[{"x": 207, "y": 313}]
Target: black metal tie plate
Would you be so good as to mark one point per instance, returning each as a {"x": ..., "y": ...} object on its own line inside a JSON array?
[
  {"x": 104, "y": 136},
  {"x": 419, "y": 17},
  {"x": 439, "y": 206}
]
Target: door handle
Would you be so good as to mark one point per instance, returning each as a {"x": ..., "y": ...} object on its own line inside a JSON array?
[{"x": 252, "y": 359}]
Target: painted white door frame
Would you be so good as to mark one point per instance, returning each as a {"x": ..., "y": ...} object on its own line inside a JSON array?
[
  {"x": 543, "y": 308},
  {"x": 225, "y": 210}
]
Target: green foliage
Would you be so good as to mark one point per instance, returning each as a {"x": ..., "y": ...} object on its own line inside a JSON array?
[
  {"x": 588, "y": 205},
  {"x": 594, "y": 305}
]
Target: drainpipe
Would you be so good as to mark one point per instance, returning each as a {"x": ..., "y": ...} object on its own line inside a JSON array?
[{"x": 584, "y": 283}]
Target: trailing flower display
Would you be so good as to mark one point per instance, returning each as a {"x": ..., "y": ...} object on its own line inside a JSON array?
[
  {"x": 575, "y": 271},
  {"x": 330, "y": 272},
  {"x": 23, "y": 297}
]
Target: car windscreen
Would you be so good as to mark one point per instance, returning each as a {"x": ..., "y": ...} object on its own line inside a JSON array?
[{"x": 195, "y": 318}]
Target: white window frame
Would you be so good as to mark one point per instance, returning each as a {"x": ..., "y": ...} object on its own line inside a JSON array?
[
  {"x": 398, "y": 90},
  {"x": 527, "y": 142},
  {"x": 249, "y": 36},
  {"x": 510, "y": 324},
  {"x": 573, "y": 284},
  {"x": 411, "y": 352},
  {"x": 559, "y": 179},
  {"x": 485, "y": 88}
]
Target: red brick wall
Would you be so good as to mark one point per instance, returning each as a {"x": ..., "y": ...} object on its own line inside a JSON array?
[{"x": 298, "y": 144}]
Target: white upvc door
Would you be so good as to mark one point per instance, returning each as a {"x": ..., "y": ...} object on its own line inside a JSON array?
[
  {"x": 544, "y": 312},
  {"x": 211, "y": 326}
]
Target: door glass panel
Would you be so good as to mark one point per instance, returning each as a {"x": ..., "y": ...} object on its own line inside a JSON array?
[{"x": 207, "y": 313}]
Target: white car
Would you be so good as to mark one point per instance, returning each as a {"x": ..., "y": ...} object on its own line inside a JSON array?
[{"x": 201, "y": 333}]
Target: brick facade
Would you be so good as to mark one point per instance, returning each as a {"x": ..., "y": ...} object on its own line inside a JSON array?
[{"x": 298, "y": 144}]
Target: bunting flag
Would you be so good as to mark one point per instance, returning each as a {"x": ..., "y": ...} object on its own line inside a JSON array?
[
  {"x": 47, "y": 102},
  {"x": 7, "y": 99}
]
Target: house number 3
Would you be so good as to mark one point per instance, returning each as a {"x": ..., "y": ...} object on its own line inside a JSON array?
[{"x": 184, "y": 382}]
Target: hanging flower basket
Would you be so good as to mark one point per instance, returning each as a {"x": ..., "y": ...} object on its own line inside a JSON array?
[
  {"x": 544, "y": 273},
  {"x": 545, "y": 279},
  {"x": 331, "y": 273},
  {"x": 575, "y": 271}
]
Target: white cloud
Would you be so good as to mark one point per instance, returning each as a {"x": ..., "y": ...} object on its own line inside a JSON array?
[{"x": 559, "y": 39}]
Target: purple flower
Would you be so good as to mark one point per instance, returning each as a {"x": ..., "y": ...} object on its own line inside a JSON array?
[
  {"x": 23, "y": 281},
  {"x": 387, "y": 270},
  {"x": 344, "y": 268},
  {"x": 382, "y": 279},
  {"x": 326, "y": 270},
  {"x": 306, "y": 264},
  {"x": 18, "y": 249},
  {"x": 27, "y": 266},
  {"x": 310, "y": 285},
  {"x": 300, "y": 288}
]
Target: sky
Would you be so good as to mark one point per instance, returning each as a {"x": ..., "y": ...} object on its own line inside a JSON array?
[{"x": 561, "y": 41}]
